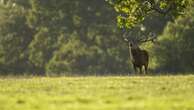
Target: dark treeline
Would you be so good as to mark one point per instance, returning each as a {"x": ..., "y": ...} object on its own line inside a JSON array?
[{"x": 81, "y": 36}]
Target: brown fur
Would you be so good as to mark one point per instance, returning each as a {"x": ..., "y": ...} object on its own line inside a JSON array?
[{"x": 140, "y": 58}]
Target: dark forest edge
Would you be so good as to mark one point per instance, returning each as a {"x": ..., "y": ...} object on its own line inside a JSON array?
[{"x": 49, "y": 37}]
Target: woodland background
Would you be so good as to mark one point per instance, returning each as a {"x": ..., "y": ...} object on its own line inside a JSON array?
[{"x": 82, "y": 37}]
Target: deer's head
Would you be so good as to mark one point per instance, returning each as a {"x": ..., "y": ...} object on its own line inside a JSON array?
[{"x": 134, "y": 42}]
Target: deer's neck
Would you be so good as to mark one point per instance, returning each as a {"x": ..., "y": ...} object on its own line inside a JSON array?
[{"x": 130, "y": 54}]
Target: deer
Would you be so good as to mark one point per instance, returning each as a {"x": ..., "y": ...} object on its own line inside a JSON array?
[{"x": 139, "y": 57}]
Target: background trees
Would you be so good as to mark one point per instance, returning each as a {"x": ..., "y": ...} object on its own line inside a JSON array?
[
  {"x": 70, "y": 36},
  {"x": 15, "y": 36},
  {"x": 176, "y": 50},
  {"x": 38, "y": 36}
]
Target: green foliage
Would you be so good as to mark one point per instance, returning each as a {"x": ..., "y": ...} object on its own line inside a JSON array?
[
  {"x": 102, "y": 55},
  {"x": 39, "y": 36},
  {"x": 176, "y": 49},
  {"x": 92, "y": 50},
  {"x": 80, "y": 30},
  {"x": 97, "y": 93},
  {"x": 67, "y": 58},
  {"x": 42, "y": 47},
  {"x": 132, "y": 12},
  {"x": 15, "y": 37}
]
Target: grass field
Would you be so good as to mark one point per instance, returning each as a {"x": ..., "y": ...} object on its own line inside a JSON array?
[{"x": 97, "y": 93}]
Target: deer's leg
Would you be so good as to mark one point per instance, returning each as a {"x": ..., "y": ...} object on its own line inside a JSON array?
[
  {"x": 135, "y": 68},
  {"x": 146, "y": 69},
  {"x": 140, "y": 69}
]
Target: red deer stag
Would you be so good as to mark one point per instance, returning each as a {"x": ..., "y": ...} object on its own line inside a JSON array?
[{"x": 138, "y": 56}]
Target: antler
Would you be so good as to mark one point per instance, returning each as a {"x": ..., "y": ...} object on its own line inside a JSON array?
[
  {"x": 155, "y": 5},
  {"x": 151, "y": 37},
  {"x": 139, "y": 32},
  {"x": 126, "y": 35}
]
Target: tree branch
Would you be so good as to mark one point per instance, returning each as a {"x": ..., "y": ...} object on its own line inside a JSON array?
[
  {"x": 156, "y": 7},
  {"x": 163, "y": 11}
]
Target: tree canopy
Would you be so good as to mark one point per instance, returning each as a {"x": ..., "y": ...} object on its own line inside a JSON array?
[
  {"x": 60, "y": 36},
  {"x": 132, "y": 12},
  {"x": 176, "y": 50}
]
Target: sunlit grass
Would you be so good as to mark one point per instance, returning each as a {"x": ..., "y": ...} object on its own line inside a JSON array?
[{"x": 97, "y": 93}]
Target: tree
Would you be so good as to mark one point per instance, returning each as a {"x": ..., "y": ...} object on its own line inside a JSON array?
[
  {"x": 132, "y": 12},
  {"x": 176, "y": 50},
  {"x": 15, "y": 36},
  {"x": 34, "y": 32},
  {"x": 93, "y": 46},
  {"x": 41, "y": 49}
]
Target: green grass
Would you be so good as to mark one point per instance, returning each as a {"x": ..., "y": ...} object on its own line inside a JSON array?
[{"x": 98, "y": 93}]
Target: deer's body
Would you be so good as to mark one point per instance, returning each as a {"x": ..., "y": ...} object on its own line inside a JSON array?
[{"x": 140, "y": 59}]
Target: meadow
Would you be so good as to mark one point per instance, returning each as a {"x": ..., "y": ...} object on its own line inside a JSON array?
[{"x": 97, "y": 93}]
